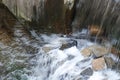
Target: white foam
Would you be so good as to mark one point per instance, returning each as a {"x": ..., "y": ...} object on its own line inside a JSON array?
[
  {"x": 61, "y": 65},
  {"x": 73, "y": 51},
  {"x": 105, "y": 74},
  {"x": 58, "y": 54},
  {"x": 65, "y": 68},
  {"x": 1, "y": 64}
]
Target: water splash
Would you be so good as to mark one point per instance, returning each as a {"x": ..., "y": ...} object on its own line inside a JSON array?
[{"x": 66, "y": 64}]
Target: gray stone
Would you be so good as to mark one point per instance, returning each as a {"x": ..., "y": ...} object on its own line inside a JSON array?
[
  {"x": 31, "y": 49},
  {"x": 97, "y": 50},
  {"x": 68, "y": 44},
  {"x": 87, "y": 72},
  {"x": 109, "y": 62},
  {"x": 46, "y": 49},
  {"x": 70, "y": 57}
]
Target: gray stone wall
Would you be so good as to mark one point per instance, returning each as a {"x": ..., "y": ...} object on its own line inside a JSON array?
[
  {"x": 60, "y": 16},
  {"x": 44, "y": 15}
]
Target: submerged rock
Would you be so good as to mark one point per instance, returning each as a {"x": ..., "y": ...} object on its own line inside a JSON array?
[{"x": 70, "y": 57}]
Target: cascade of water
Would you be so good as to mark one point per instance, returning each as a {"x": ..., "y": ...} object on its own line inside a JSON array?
[
  {"x": 52, "y": 63},
  {"x": 65, "y": 64},
  {"x": 97, "y": 13},
  {"x": 104, "y": 16}
]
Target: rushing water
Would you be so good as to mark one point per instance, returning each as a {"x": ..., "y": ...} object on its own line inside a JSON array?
[
  {"x": 53, "y": 64},
  {"x": 40, "y": 57},
  {"x": 65, "y": 64}
]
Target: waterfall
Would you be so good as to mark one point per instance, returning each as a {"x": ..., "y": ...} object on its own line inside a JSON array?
[
  {"x": 66, "y": 64},
  {"x": 39, "y": 56}
]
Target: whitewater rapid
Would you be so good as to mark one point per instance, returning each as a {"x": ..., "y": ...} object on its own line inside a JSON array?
[{"x": 65, "y": 64}]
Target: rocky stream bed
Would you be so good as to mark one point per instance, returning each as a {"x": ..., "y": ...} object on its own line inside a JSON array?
[{"x": 55, "y": 57}]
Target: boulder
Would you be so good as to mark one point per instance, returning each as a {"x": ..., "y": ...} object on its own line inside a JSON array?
[
  {"x": 109, "y": 62},
  {"x": 97, "y": 50},
  {"x": 86, "y": 52},
  {"x": 98, "y": 64},
  {"x": 87, "y": 72},
  {"x": 68, "y": 44},
  {"x": 46, "y": 49}
]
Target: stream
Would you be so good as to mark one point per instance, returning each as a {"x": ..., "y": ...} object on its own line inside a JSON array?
[{"x": 41, "y": 58}]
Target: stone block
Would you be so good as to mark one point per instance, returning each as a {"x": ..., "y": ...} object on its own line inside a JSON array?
[
  {"x": 97, "y": 50},
  {"x": 109, "y": 62},
  {"x": 86, "y": 52},
  {"x": 98, "y": 64}
]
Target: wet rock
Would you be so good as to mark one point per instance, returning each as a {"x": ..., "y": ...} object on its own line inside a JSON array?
[
  {"x": 98, "y": 64},
  {"x": 109, "y": 62},
  {"x": 65, "y": 46},
  {"x": 94, "y": 39},
  {"x": 83, "y": 64},
  {"x": 95, "y": 30},
  {"x": 70, "y": 57},
  {"x": 117, "y": 67},
  {"x": 84, "y": 34},
  {"x": 2, "y": 70},
  {"x": 87, "y": 72},
  {"x": 16, "y": 75},
  {"x": 115, "y": 51},
  {"x": 97, "y": 50},
  {"x": 86, "y": 52},
  {"x": 83, "y": 78},
  {"x": 5, "y": 36},
  {"x": 68, "y": 44},
  {"x": 31, "y": 49},
  {"x": 85, "y": 60},
  {"x": 46, "y": 49}
]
